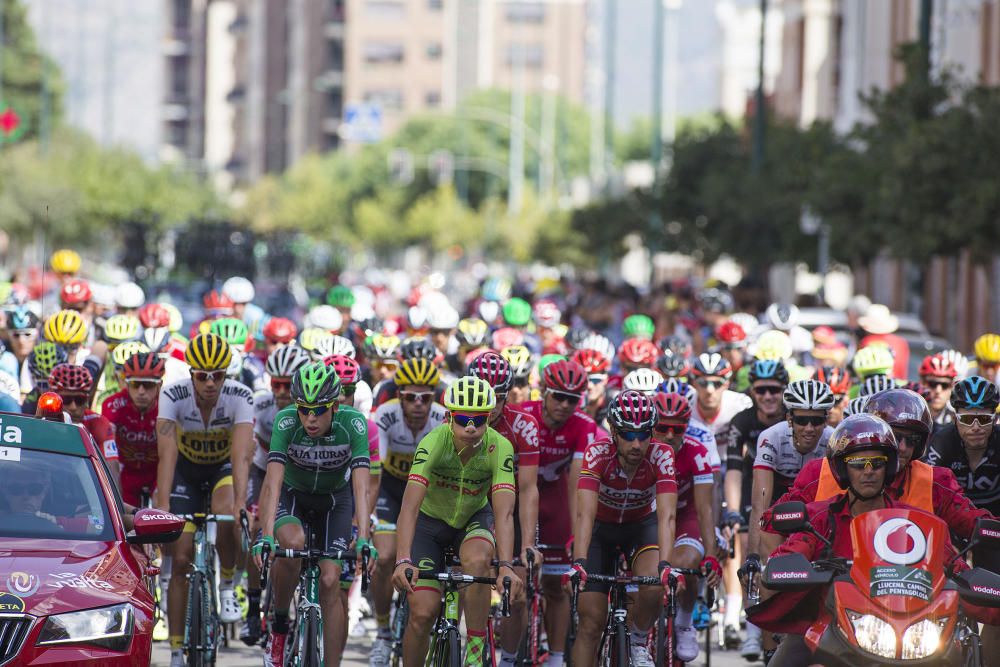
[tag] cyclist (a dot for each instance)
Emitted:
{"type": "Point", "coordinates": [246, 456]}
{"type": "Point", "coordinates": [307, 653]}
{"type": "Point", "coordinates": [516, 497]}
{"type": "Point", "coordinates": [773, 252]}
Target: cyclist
{"type": "Point", "coordinates": [205, 440]}
{"type": "Point", "coordinates": [731, 343]}
{"type": "Point", "coordinates": [241, 292]}
{"type": "Point", "coordinates": [638, 325]}
{"type": "Point", "coordinates": [442, 319]}
{"type": "Point", "coordinates": [565, 433]}
{"type": "Point", "coordinates": [411, 348]}
{"type": "Point", "coordinates": [937, 374]}
{"type": "Point", "coordinates": [869, 361]}
{"type": "Point", "coordinates": [77, 295]}
{"type": "Point", "coordinates": [522, 363]}
{"type": "Point", "coordinates": [66, 263]}
{"type": "Point", "coordinates": [277, 332]}
{"type": "Point", "coordinates": [597, 367]}
{"type": "Point", "coordinates": [381, 352]}
{"type": "Point", "coordinates": [471, 333]}
{"type": "Point", "coordinates": [44, 357]}
{"type": "Point", "coordinates": [318, 462]}
{"type": "Point", "coordinates": [626, 503]}
{"type": "Point", "coordinates": [68, 329]}
{"type": "Point", "coordinates": [342, 298]}
{"type": "Point", "coordinates": [987, 352]}
{"type": "Point", "coordinates": [716, 404]}
{"type": "Point", "coordinates": [22, 334]}
{"type": "Point", "coordinates": [402, 422]}
{"type": "Point", "coordinates": [839, 381]}
{"type": "Point", "coordinates": [74, 385]}
{"type": "Point", "coordinates": [637, 353]}
{"type": "Point", "coordinates": [460, 493]}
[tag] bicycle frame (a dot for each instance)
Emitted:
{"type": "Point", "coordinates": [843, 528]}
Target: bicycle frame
{"type": "Point", "coordinates": [615, 628]}
{"type": "Point", "coordinates": [203, 649]}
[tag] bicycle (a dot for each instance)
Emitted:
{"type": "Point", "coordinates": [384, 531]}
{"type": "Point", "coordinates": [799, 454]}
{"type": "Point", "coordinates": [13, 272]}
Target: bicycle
{"type": "Point", "coordinates": [615, 646]}
{"type": "Point", "coordinates": [531, 651]}
{"type": "Point", "coordinates": [202, 627]}
{"type": "Point", "coordinates": [664, 635]}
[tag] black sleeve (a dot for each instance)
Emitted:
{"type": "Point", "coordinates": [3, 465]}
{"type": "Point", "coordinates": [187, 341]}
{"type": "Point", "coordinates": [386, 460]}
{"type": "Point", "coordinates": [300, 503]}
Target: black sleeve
{"type": "Point", "coordinates": [735, 440]}
{"type": "Point", "coordinates": [942, 442]}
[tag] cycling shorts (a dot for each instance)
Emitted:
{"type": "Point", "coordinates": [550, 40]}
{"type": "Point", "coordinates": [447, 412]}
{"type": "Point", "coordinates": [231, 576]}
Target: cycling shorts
{"type": "Point", "coordinates": [390, 499]}
{"type": "Point", "coordinates": [255, 482]}
{"type": "Point", "coordinates": [132, 483]}
{"type": "Point", "coordinates": [554, 525]}
{"type": "Point", "coordinates": [610, 539]}
{"type": "Point", "coordinates": [329, 514]}
{"type": "Point", "coordinates": [433, 537]}
{"type": "Point", "coordinates": [688, 532]}
{"type": "Point", "coordinates": [194, 485]}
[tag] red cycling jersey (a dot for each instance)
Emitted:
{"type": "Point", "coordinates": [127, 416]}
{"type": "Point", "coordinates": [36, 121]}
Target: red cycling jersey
{"type": "Point", "coordinates": [103, 433]}
{"type": "Point", "coordinates": [135, 432]}
{"type": "Point", "coordinates": [522, 430]}
{"type": "Point", "coordinates": [556, 449]}
{"type": "Point", "coordinates": [693, 467]}
{"type": "Point", "coordinates": [624, 498]}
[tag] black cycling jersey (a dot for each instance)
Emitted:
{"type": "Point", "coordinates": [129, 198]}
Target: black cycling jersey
{"type": "Point", "coordinates": [981, 485]}
{"type": "Point", "coordinates": [741, 450]}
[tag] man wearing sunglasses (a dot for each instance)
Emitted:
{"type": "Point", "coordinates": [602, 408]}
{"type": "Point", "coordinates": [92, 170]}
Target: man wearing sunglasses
{"type": "Point", "coordinates": [75, 386]}
{"type": "Point", "coordinates": [716, 404]}
{"type": "Point", "coordinates": [21, 335]}
{"type": "Point", "coordinates": [937, 374]}
{"type": "Point", "coordinates": [204, 433]}
{"type": "Point", "coordinates": [987, 352]}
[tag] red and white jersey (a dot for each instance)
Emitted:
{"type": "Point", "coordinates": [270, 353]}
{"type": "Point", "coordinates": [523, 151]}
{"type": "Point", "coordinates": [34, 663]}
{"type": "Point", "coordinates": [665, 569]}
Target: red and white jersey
{"type": "Point", "coordinates": [134, 432]}
{"type": "Point", "coordinates": [522, 430]}
{"type": "Point", "coordinates": [103, 432]}
{"type": "Point", "coordinates": [558, 448]}
{"type": "Point", "coordinates": [623, 498]}
{"type": "Point", "coordinates": [693, 466]}
{"type": "Point", "coordinates": [733, 403]}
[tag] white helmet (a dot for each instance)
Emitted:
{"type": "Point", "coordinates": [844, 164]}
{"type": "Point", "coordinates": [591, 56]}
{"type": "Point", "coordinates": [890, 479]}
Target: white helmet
{"type": "Point", "coordinates": [239, 289]}
{"type": "Point", "coordinates": [489, 311]}
{"type": "Point", "coordinates": [333, 345]}
{"type": "Point", "coordinates": [129, 295]}
{"type": "Point", "coordinates": [644, 380]}
{"type": "Point", "coordinates": [285, 360]}
{"type": "Point", "coordinates": [782, 316]}
{"type": "Point", "coordinates": [442, 316]}
{"type": "Point", "coordinates": [104, 295]}
{"type": "Point", "coordinates": [675, 386]}
{"type": "Point", "coordinates": [856, 406]}
{"type": "Point", "coordinates": [325, 317]}
{"type": "Point", "coordinates": [874, 384]}
{"type": "Point", "coordinates": [600, 344]}
{"type": "Point", "coordinates": [808, 395]}
{"type": "Point", "coordinates": [235, 365]}
{"type": "Point", "coordinates": [747, 322]}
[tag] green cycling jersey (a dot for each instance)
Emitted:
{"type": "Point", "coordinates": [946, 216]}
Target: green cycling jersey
{"type": "Point", "coordinates": [323, 464]}
{"type": "Point", "coordinates": [456, 491]}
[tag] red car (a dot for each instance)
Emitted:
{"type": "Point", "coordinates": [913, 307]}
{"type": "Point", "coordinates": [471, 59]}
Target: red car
{"type": "Point", "coordinates": [75, 580]}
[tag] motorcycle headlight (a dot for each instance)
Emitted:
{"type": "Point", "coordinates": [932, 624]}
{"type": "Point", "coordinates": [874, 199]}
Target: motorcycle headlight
{"type": "Point", "coordinates": [110, 627]}
{"type": "Point", "coordinates": [922, 639]}
{"type": "Point", "coordinates": [873, 634]}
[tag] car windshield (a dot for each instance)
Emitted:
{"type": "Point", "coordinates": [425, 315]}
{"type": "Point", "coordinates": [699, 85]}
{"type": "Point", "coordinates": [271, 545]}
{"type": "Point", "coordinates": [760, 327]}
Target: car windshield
{"type": "Point", "coordinates": [49, 495]}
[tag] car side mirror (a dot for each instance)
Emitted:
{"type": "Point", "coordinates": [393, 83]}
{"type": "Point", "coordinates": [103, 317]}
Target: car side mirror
{"type": "Point", "coordinates": [790, 517]}
{"type": "Point", "coordinates": [979, 587]}
{"type": "Point", "coordinates": [793, 572]}
{"type": "Point", "coordinates": [155, 527]}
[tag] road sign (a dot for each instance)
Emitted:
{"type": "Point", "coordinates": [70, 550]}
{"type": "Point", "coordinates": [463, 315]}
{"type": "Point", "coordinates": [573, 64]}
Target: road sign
{"type": "Point", "coordinates": [362, 123]}
{"type": "Point", "coordinates": [11, 125]}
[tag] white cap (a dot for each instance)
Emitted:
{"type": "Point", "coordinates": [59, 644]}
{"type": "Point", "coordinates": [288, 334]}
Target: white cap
{"type": "Point", "coordinates": [239, 289]}
{"type": "Point", "coordinates": [129, 295]}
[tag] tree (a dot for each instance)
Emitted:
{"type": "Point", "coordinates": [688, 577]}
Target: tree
{"type": "Point", "coordinates": [30, 81]}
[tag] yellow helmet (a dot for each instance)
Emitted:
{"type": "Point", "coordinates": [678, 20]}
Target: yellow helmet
{"type": "Point", "coordinates": [311, 338]}
{"type": "Point", "coordinates": [208, 352]}
{"type": "Point", "coordinates": [121, 328]}
{"type": "Point", "coordinates": [773, 345]}
{"type": "Point", "coordinates": [987, 348]}
{"type": "Point", "coordinates": [65, 261]}
{"type": "Point", "coordinates": [470, 394]}
{"type": "Point", "coordinates": [67, 327]}
{"type": "Point", "coordinates": [520, 359]}
{"type": "Point", "coordinates": [122, 352]}
{"type": "Point", "coordinates": [417, 371]}
{"type": "Point", "coordinates": [873, 360]}
{"type": "Point", "coordinates": [176, 319]}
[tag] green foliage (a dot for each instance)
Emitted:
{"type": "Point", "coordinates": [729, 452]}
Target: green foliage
{"type": "Point", "coordinates": [22, 71]}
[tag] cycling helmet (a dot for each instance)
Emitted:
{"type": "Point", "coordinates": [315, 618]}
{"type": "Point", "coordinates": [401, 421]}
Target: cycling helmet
{"type": "Point", "coordinates": [547, 359]}
{"type": "Point", "coordinates": [904, 409]}
{"type": "Point", "coordinates": [592, 361]}
{"type": "Point", "coordinates": [208, 352]}
{"type": "Point", "coordinates": [673, 366]}
{"type": "Point", "coordinates": [873, 360]}
{"type": "Point", "coordinates": [417, 348]}
{"type": "Point", "coordinates": [856, 406]}
{"type": "Point", "coordinates": [782, 316]}
{"type": "Point", "coordinates": [472, 332]}
{"type": "Point", "coordinates": [347, 369]}
{"type": "Point", "coordinates": [495, 289]}
{"type": "Point", "coordinates": [517, 312]}
{"type": "Point", "coordinates": [122, 352]}
{"type": "Point", "coordinates": [638, 352]}
{"type": "Point", "coordinates": [44, 357]}
{"type": "Point", "coordinates": [672, 406]}
{"type": "Point", "coordinates": [285, 361]}
{"type": "Point", "coordinates": [381, 346]}
{"type": "Point", "coordinates": [325, 317]}
{"type": "Point", "coordinates": [808, 395]}
{"type": "Point", "coordinates": [768, 369]}
{"type": "Point", "coordinates": [632, 411]}
{"type": "Point", "coordinates": [937, 365]}
{"type": "Point", "coordinates": [488, 311]}
{"type": "Point", "coordinates": [638, 326]}
{"type": "Point", "coordinates": [21, 318]}
{"type": "Point", "coordinates": [987, 348]}
{"type": "Point", "coordinates": [714, 300]}
{"type": "Point", "coordinates": [957, 359]}
{"type": "Point", "coordinates": [315, 384]}
{"type": "Point", "coordinates": [279, 330]}
{"type": "Point", "coordinates": [492, 367]}
{"type": "Point", "coordinates": [156, 338]}
{"type": "Point", "coordinates": [129, 296]}
{"type": "Point", "coordinates": [75, 292]}
{"type": "Point", "coordinates": [417, 372]}
{"type": "Point", "coordinates": [575, 336]}
{"type": "Point", "coordinates": [71, 378]}
{"type": "Point", "coordinates": [874, 384]}
{"type": "Point", "coordinates": [239, 289]}
{"type": "Point", "coordinates": [334, 345]}
{"type": "Point", "coordinates": [675, 345]}
{"type": "Point", "coordinates": [731, 334]}
{"type": "Point", "coordinates": [520, 359]}
{"type": "Point", "coordinates": [416, 318]}
{"type": "Point", "coordinates": [470, 394]}
{"type": "Point", "coordinates": [442, 317]}
{"type": "Point", "coordinates": [154, 315]}
{"type": "Point", "coordinates": [217, 305]}
{"type": "Point", "coordinates": [340, 296]}
{"type": "Point", "coordinates": [233, 330]}
{"type": "Point", "coordinates": [974, 393]}
{"type": "Point", "coordinates": [65, 261]}
{"type": "Point", "coordinates": [507, 337]}
{"type": "Point", "coordinates": [645, 380]}
{"type": "Point", "coordinates": [747, 322]}
{"type": "Point", "coordinates": [310, 337]}
{"type": "Point", "coordinates": [176, 319]}
{"type": "Point", "coordinates": [546, 313]}
{"type": "Point", "coordinates": [121, 328]}
{"type": "Point", "coordinates": [858, 433]}
{"type": "Point", "coordinates": [144, 365]}
{"type": "Point", "coordinates": [836, 377]}
{"type": "Point", "coordinates": [711, 364]}
{"type": "Point", "coordinates": [67, 327]}
{"type": "Point", "coordinates": [774, 345]}
{"type": "Point", "coordinates": [677, 386]}
{"type": "Point", "coordinates": [600, 343]}
{"type": "Point", "coordinates": [565, 375]}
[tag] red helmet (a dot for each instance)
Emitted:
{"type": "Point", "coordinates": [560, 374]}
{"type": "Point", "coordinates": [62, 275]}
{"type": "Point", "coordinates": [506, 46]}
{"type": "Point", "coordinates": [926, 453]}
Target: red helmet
{"type": "Point", "coordinates": [938, 366]}
{"type": "Point", "coordinates": [495, 369]}
{"type": "Point", "coordinates": [280, 330]}
{"type": "Point", "coordinates": [920, 389]}
{"type": "Point", "coordinates": [836, 377]}
{"type": "Point", "coordinates": [632, 411]}
{"type": "Point", "coordinates": [639, 352]}
{"type": "Point", "coordinates": [144, 365]}
{"type": "Point", "coordinates": [507, 337]}
{"type": "Point", "coordinates": [859, 433]}
{"type": "Point", "coordinates": [71, 378]}
{"type": "Point", "coordinates": [217, 303]}
{"type": "Point", "coordinates": [564, 375]}
{"type": "Point", "coordinates": [904, 409]}
{"type": "Point", "coordinates": [348, 370]}
{"type": "Point", "coordinates": [154, 316]}
{"type": "Point", "coordinates": [75, 292]}
{"type": "Point", "coordinates": [672, 407]}
{"type": "Point", "coordinates": [592, 361]}
{"type": "Point", "coordinates": [730, 332]}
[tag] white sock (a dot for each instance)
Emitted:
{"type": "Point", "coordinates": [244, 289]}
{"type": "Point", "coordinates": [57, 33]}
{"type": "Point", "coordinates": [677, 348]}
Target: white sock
{"type": "Point", "coordinates": [753, 631]}
{"type": "Point", "coordinates": [683, 618]}
{"type": "Point", "coordinates": [507, 658]}
{"type": "Point", "coordinates": [734, 603]}
{"type": "Point", "coordinates": [554, 660]}
{"type": "Point", "coordinates": [237, 578]}
{"type": "Point", "coordinates": [639, 637]}
{"type": "Point", "coordinates": [165, 568]}
{"type": "Point", "coordinates": [225, 584]}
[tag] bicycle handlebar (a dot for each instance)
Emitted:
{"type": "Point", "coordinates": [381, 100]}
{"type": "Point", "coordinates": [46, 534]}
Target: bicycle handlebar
{"type": "Point", "coordinates": [342, 554]}
{"type": "Point", "coordinates": [199, 517]}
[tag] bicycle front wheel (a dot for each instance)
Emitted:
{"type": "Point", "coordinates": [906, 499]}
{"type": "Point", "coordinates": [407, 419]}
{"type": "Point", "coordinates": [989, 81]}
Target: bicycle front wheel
{"type": "Point", "coordinates": [660, 637]}
{"type": "Point", "coordinates": [621, 646]}
{"type": "Point", "coordinates": [200, 652]}
{"type": "Point", "coordinates": [449, 649]}
{"type": "Point", "coordinates": [310, 652]}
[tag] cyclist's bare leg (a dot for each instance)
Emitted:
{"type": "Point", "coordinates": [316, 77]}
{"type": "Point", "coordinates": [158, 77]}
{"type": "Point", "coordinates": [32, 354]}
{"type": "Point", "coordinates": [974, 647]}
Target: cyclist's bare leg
{"type": "Point", "coordinates": [688, 557]}
{"type": "Point", "coordinates": [331, 599]}
{"type": "Point", "coordinates": [285, 572]}
{"type": "Point", "coordinates": [227, 537]}
{"type": "Point", "coordinates": [476, 555]}
{"type": "Point", "coordinates": [592, 609]}
{"type": "Point", "coordinates": [341, 630]}
{"type": "Point", "coordinates": [557, 612]}
{"type": "Point", "coordinates": [424, 605]}
{"type": "Point", "coordinates": [649, 599]}
{"type": "Point", "coordinates": [182, 551]}
{"type": "Point", "coordinates": [512, 627]}
{"type": "Point", "coordinates": [381, 586]}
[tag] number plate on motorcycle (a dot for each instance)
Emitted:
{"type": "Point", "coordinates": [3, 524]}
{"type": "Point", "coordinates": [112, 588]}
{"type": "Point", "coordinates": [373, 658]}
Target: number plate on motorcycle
{"type": "Point", "coordinates": [901, 580]}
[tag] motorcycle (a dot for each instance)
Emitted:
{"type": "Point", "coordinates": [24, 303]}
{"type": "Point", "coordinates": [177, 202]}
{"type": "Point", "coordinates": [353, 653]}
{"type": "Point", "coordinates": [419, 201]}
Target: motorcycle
{"type": "Point", "coordinates": [897, 601]}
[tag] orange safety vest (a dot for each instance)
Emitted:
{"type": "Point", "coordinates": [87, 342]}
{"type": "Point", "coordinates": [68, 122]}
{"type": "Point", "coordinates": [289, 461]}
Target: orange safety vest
{"type": "Point", "coordinates": [917, 489]}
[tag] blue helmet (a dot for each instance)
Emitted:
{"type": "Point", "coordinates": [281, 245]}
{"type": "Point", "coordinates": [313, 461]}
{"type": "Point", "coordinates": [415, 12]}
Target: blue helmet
{"type": "Point", "coordinates": [20, 318]}
{"type": "Point", "coordinates": [768, 369]}
{"type": "Point", "coordinates": [975, 392]}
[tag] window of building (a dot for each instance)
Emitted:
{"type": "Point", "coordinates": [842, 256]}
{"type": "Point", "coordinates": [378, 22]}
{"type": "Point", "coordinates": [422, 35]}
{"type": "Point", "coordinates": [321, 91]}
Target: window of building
{"type": "Point", "coordinates": [433, 98]}
{"type": "Point", "coordinates": [525, 12]}
{"type": "Point", "coordinates": [388, 98]}
{"type": "Point", "coordinates": [434, 50]}
{"type": "Point", "coordinates": [435, 4]}
{"type": "Point", "coordinates": [382, 53]}
{"type": "Point", "coordinates": [386, 9]}
{"type": "Point", "coordinates": [531, 54]}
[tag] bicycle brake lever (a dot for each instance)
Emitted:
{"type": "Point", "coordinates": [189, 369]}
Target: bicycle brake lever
{"type": "Point", "coordinates": [505, 598]}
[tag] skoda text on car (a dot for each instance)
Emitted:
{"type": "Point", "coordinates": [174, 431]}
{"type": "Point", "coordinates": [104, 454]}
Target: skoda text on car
{"type": "Point", "coordinates": [74, 585]}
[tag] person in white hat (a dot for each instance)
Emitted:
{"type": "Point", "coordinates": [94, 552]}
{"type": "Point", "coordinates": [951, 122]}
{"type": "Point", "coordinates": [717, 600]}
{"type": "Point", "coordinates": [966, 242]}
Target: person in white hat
{"type": "Point", "coordinates": [880, 325]}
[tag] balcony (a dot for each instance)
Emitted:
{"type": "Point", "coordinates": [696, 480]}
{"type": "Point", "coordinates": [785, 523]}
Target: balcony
{"type": "Point", "coordinates": [175, 108]}
{"type": "Point", "coordinates": [334, 30]}
{"type": "Point", "coordinates": [329, 80]}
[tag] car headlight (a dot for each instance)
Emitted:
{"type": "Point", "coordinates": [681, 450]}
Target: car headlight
{"type": "Point", "coordinates": [110, 627]}
{"type": "Point", "coordinates": [873, 634]}
{"type": "Point", "coordinates": [922, 639]}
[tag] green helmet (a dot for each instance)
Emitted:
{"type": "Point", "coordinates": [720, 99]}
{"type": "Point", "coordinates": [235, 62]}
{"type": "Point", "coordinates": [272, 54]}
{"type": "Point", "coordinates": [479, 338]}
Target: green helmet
{"type": "Point", "coordinates": [234, 331]}
{"type": "Point", "coordinates": [340, 296]}
{"type": "Point", "coordinates": [638, 326]}
{"type": "Point", "coordinates": [470, 394]}
{"type": "Point", "coordinates": [44, 357]}
{"type": "Point", "coordinates": [315, 384]}
{"type": "Point", "coordinates": [517, 312]}
{"type": "Point", "coordinates": [548, 359]}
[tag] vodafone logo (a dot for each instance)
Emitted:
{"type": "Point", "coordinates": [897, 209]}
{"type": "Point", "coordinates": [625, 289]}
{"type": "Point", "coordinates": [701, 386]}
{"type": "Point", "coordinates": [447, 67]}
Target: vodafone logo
{"type": "Point", "coordinates": [900, 542]}
{"type": "Point", "coordinates": [790, 575]}
{"type": "Point", "coordinates": [988, 590]}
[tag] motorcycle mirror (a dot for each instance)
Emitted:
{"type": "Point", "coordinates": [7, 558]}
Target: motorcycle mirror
{"type": "Point", "coordinates": [794, 572]}
{"type": "Point", "coordinates": [790, 517]}
{"type": "Point", "coordinates": [980, 587]}
{"type": "Point", "coordinates": [987, 533]}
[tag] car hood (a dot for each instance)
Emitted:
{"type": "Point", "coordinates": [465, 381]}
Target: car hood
{"type": "Point", "coordinates": [55, 576]}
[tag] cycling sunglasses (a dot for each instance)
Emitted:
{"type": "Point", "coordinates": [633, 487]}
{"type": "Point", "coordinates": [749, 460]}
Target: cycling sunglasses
{"type": "Point", "coordinates": [804, 420]}
{"type": "Point", "coordinates": [21, 489]}
{"type": "Point", "coordinates": [148, 383]}
{"type": "Point", "coordinates": [477, 420]}
{"type": "Point", "coordinates": [314, 410]}
{"type": "Point", "coordinates": [971, 419]}
{"type": "Point", "coordinates": [937, 384]}
{"type": "Point", "coordinates": [867, 462]}
{"type": "Point", "coordinates": [597, 378]}
{"type": "Point", "coordinates": [281, 385]}
{"type": "Point", "coordinates": [24, 333]}
{"type": "Point", "coordinates": [417, 396]}
{"type": "Point", "coordinates": [205, 376]}
{"type": "Point", "coordinates": [670, 427]}
{"type": "Point", "coordinates": [632, 436]}
{"type": "Point", "coordinates": [521, 382]}
{"type": "Point", "coordinates": [564, 397]}
{"type": "Point", "coordinates": [705, 383]}
{"type": "Point", "coordinates": [768, 389]}
{"type": "Point", "coordinates": [74, 399]}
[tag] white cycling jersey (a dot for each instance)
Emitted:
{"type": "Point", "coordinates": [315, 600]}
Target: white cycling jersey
{"type": "Point", "coordinates": [197, 441]}
{"type": "Point", "coordinates": [264, 410]}
{"type": "Point", "coordinates": [396, 442]}
{"type": "Point", "coordinates": [733, 403]}
{"type": "Point", "coordinates": [776, 452]}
